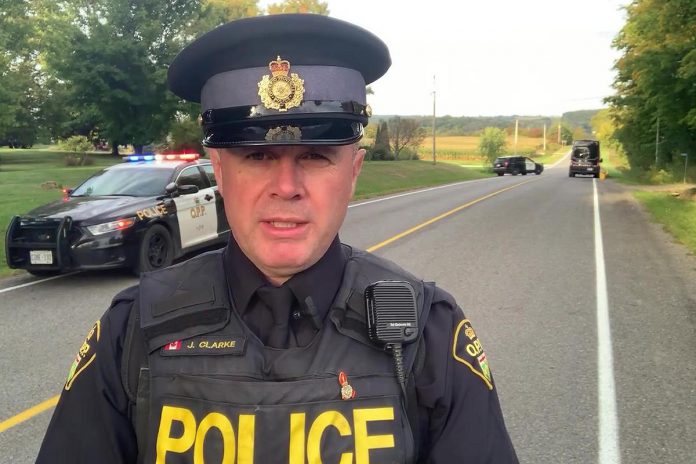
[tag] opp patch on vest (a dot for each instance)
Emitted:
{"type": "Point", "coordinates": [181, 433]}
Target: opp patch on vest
{"type": "Point", "coordinates": [468, 350]}
{"type": "Point", "coordinates": [206, 345]}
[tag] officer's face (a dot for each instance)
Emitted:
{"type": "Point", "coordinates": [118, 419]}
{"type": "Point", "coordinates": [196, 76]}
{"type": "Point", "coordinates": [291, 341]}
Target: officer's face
{"type": "Point", "coordinates": [285, 204]}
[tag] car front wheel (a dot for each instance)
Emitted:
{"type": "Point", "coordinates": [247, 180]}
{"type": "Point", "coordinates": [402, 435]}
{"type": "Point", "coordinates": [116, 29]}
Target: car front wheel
{"type": "Point", "coordinates": [156, 250]}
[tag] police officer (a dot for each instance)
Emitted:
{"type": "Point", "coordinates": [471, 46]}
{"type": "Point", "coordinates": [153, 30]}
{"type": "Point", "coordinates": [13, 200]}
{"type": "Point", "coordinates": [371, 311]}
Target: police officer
{"type": "Point", "coordinates": [262, 352]}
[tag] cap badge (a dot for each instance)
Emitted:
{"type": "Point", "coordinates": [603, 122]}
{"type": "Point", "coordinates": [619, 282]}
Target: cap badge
{"type": "Point", "coordinates": [281, 90]}
{"type": "Point", "coordinates": [284, 134]}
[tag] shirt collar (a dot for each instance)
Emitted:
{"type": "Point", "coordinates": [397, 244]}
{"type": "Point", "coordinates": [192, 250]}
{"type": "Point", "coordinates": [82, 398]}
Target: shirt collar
{"type": "Point", "coordinates": [315, 286]}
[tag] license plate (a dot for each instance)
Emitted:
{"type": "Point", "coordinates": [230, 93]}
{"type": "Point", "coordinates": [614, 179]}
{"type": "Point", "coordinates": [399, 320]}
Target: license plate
{"type": "Point", "coordinates": [590, 169]}
{"type": "Point", "coordinates": [40, 257]}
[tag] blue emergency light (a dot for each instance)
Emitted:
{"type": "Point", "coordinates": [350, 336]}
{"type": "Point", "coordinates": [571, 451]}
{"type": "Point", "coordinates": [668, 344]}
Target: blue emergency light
{"type": "Point", "coordinates": [167, 157]}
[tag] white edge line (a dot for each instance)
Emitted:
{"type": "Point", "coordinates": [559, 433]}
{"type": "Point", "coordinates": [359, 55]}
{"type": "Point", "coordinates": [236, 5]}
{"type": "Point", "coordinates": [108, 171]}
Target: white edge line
{"type": "Point", "coordinates": [414, 192]}
{"type": "Point", "coordinates": [34, 282]}
{"type": "Point", "coordinates": [609, 452]}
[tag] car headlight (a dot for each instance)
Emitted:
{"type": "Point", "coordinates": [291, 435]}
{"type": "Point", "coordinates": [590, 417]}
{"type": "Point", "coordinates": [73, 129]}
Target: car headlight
{"type": "Point", "coordinates": [119, 224]}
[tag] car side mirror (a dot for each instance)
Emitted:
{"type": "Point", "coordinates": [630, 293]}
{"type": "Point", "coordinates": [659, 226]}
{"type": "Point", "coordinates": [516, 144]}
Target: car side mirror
{"type": "Point", "coordinates": [172, 190]}
{"type": "Point", "coordinates": [187, 189]}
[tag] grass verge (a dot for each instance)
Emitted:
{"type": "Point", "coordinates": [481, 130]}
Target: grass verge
{"type": "Point", "coordinates": [677, 216]}
{"type": "Point", "coordinates": [654, 190]}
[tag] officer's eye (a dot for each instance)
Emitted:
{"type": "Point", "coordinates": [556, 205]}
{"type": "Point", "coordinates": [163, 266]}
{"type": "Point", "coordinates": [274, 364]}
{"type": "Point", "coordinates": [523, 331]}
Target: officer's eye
{"type": "Point", "coordinates": [314, 156]}
{"type": "Point", "coordinates": [315, 159]}
{"type": "Point", "coordinates": [257, 156]}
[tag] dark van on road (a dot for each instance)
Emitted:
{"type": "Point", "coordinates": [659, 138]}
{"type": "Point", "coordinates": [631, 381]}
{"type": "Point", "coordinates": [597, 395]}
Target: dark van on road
{"type": "Point", "coordinates": [584, 158]}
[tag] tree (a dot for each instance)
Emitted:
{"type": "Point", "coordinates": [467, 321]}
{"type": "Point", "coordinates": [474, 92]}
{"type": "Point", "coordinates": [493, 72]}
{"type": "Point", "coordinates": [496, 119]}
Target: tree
{"type": "Point", "coordinates": [19, 81]}
{"type": "Point", "coordinates": [185, 134]}
{"type": "Point", "coordinates": [217, 12]}
{"type": "Point", "coordinates": [381, 149]}
{"type": "Point", "coordinates": [656, 81]}
{"type": "Point", "coordinates": [405, 134]}
{"type": "Point", "coordinates": [566, 135]}
{"type": "Point", "coordinates": [299, 6]}
{"type": "Point", "coordinates": [113, 56]}
{"type": "Point", "coordinates": [579, 134]}
{"type": "Point", "coordinates": [492, 143]}
{"type": "Point", "coordinates": [603, 127]}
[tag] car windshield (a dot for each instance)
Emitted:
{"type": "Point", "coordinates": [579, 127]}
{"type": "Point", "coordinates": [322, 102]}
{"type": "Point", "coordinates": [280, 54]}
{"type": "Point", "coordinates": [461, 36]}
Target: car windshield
{"type": "Point", "coordinates": [141, 182]}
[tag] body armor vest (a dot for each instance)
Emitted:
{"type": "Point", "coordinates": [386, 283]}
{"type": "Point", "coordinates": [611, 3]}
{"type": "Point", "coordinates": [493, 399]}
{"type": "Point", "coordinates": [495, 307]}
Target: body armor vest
{"type": "Point", "coordinates": [215, 394]}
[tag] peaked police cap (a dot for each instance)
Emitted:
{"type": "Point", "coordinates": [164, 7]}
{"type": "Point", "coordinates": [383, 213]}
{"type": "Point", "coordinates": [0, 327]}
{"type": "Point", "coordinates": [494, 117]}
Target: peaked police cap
{"type": "Point", "coordinates": [287, 79]}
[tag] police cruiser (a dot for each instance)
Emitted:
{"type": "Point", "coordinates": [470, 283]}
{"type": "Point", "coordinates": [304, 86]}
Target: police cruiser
{"type": "Point", "coordinates": [143, 214]}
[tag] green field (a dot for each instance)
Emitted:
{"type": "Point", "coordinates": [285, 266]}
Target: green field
{"type": "Point", "coordinates": [465, 147]}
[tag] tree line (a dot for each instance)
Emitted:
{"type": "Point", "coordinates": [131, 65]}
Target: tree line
{"type": "Point", "coordinates": [575, 123]}
{"type": "Point", "coordinates": [99, 68]}
{"type": "Point", "coordinates": [652, 116]}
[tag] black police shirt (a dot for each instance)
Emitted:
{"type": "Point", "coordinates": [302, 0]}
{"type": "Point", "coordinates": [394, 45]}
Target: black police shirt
{"type": "Point", "coordinates": [311, 301]}
{"type": "Point", "coordinates": [460, 415]}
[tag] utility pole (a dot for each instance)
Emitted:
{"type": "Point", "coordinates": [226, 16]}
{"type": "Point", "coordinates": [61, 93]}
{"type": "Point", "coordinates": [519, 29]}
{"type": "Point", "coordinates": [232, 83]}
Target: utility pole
{"type": "Point", "coordinates": [434, 160]}
{"type": "Point", "coordinates": [544, 138]}
{"type": "Point", "coordinates": [559, 133]}
{"type": "Point", "coordinates": [657, 141]}
{"type": "Point", "coordinates": [517, 122]}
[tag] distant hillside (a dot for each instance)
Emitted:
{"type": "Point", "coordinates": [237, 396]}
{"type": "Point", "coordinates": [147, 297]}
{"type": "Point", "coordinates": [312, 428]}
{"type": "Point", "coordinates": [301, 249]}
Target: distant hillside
{"type": "Point", "coordinates": [580, 118]}
{"type": "Point", "coordinates": [471, 125]}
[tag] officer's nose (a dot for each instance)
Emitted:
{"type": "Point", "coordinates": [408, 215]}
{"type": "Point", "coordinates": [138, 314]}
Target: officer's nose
{"type": "Point", "coordinates": [287, 178]}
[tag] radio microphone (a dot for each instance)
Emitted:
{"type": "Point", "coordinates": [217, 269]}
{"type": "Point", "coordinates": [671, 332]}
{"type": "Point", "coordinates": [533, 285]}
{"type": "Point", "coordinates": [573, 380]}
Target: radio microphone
{"type": "Point", "coordinates": [392, 319]}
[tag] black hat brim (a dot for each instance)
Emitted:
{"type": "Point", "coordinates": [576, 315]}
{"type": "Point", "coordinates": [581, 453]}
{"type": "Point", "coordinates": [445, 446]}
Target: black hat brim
{"type": "Point", "coordinates": [305, 131]}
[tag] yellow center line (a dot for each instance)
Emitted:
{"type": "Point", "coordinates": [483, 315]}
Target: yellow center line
{"type": "Point", "coordinates": [29, 413]}
{"type": "Point", "coordinates": [51, 402]}
{"type": "Point", "coordinates": [442, 216]}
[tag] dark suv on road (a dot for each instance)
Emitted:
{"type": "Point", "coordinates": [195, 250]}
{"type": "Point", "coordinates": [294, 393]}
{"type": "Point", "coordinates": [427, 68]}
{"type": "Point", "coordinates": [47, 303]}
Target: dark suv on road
{"type": "Point", "coordinates": [516, 165]}
{"type": "Point", "coordinates": [584, 158]}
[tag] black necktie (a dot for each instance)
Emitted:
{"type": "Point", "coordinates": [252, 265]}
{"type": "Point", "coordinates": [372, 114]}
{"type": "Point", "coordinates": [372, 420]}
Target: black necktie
{"type": "Point", "coordinates": [279, 300]}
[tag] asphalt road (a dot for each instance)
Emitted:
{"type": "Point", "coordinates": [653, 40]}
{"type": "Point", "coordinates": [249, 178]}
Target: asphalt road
{"type": "Point", "coordinates": [519, 254]}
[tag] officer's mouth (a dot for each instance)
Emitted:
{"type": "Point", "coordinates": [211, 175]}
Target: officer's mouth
{"type": "Point", "coordinates": [283, 225]}
{"type": "Point", "coordinates": [284, 228]}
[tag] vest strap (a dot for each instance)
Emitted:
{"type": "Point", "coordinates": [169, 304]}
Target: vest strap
{"type": "Point", "coordinates": [184, 300]}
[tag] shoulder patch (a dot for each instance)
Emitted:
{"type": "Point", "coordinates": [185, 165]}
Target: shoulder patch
{"type": "Point", "coordinates": [467, 349]}
{"type": "Point", "coordinates": [85, 355]}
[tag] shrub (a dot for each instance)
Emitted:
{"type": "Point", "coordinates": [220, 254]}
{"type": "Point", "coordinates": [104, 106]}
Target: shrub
{"type": "Point", "coordinates": [77, 145]}
{"type": "Point", "coordinates": [659, 176]}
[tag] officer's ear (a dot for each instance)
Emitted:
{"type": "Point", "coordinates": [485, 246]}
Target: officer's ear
{"type": "Point", "coordinates": [358, 158]}
{"type": "Point", "coordinates": [214, 155]}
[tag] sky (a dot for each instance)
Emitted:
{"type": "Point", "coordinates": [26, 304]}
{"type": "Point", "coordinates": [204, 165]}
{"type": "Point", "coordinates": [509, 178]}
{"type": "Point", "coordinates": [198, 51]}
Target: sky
{"type": "Point", "coordinates": [490, 57]}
